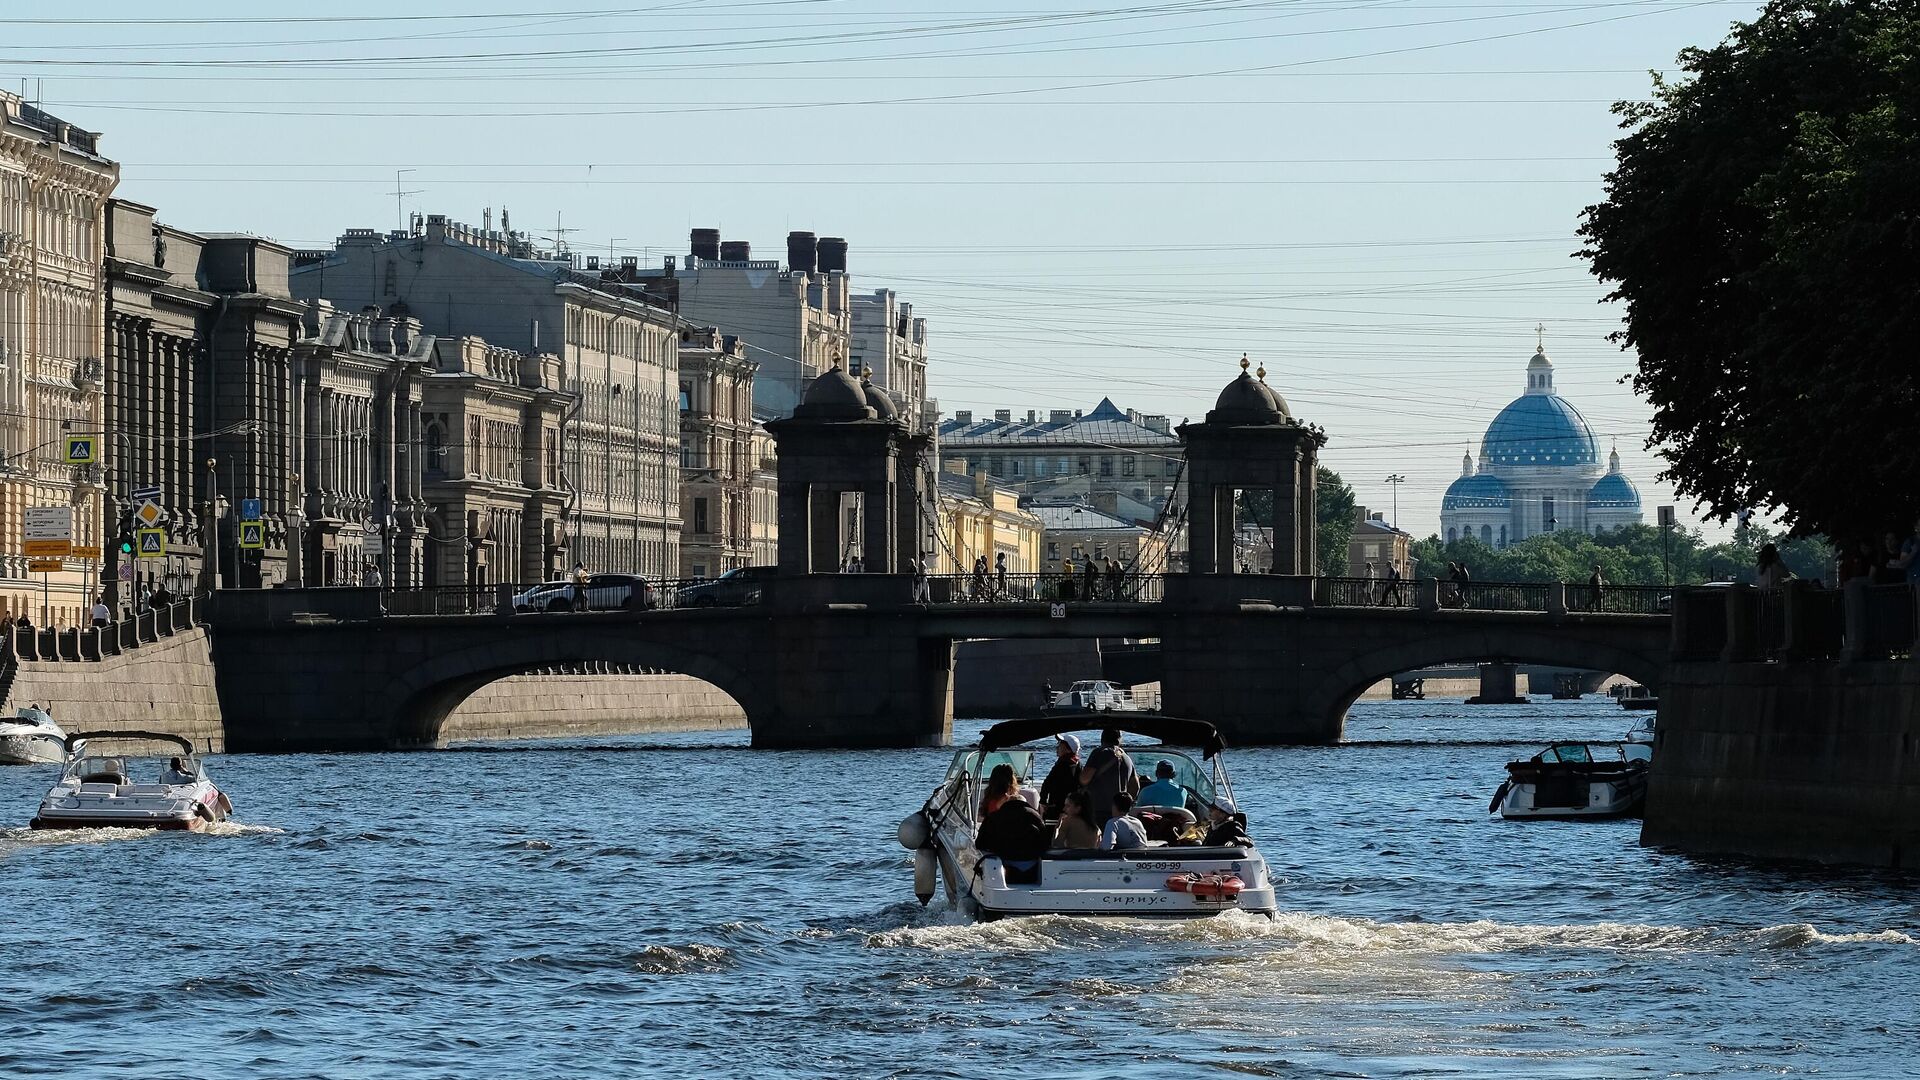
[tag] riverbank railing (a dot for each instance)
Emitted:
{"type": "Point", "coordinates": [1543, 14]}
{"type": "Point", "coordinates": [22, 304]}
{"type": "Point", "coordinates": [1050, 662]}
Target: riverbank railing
{"type": "Point", "coordinates": [81, 644]}
{"type": "Point", "coordinates": [1796, 621]}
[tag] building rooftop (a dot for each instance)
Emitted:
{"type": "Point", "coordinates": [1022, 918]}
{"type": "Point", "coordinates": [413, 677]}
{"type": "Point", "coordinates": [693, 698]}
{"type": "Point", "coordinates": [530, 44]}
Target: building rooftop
{"type": "Point", "coordinates": [1106, 425]}
{"type": "Point", "coordinates": [1066, 518]}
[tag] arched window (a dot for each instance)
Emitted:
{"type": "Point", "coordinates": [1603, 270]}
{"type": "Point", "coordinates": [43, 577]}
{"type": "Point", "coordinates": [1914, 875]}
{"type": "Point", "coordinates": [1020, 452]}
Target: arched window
{"type": "Point", "coordinates": [1452, 535]}
{"type": "Point", "coordinates": [1486, 534]}
{"type": "Point", "coordinates": [1503, 536]}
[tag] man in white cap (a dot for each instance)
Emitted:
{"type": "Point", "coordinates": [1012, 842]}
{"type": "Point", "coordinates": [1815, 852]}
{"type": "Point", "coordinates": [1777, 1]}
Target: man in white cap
{"type": "Point", "coordinates": [1064, 779]}
{"type": "Point", "coordinates": [1227, 826]}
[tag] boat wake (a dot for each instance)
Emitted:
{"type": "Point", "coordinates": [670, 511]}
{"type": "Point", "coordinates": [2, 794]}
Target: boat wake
{"type": "Point", "coordinates": [19, 839]}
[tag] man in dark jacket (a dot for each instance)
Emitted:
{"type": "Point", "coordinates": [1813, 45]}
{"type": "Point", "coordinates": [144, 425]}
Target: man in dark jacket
{"type": "Point", "coordinates": [1227, 826]}
{"type": "Point", "coordinates": [1015, 832]}
{"type": "Point", "coordinates": [1108, 770]}
{"type": "Point", "coordinates": [1064, 779]}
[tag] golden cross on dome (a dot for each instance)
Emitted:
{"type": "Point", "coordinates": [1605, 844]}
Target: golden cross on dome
{"type": "Point", "coordinates": [1540, 337]}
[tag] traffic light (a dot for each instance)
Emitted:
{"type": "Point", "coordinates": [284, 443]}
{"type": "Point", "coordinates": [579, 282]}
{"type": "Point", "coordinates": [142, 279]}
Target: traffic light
{"type": "Point", "coordinates": [126, 545]}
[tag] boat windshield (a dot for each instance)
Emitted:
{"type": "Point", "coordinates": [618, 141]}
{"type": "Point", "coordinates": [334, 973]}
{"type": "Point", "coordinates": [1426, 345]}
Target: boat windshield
{"type": "Point", "coordinates": [1186, 772]}
{"type": "Point", "coordinates": [1588, 753]}
{"type": "Point", "coordinates": [973, 763]}
{"type": "Point", "coordinates": [102, 769]}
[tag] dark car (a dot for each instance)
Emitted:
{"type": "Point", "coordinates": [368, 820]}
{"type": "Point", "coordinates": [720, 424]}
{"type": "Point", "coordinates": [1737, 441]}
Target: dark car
{"type": "Point", "coordinates": [731, 589]}
{"type": "Point", "coordinates": [604, 592]}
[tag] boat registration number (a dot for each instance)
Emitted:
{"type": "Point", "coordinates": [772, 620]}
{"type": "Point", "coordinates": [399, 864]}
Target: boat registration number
{"type": "Point", "coordinates": [1157, 865]}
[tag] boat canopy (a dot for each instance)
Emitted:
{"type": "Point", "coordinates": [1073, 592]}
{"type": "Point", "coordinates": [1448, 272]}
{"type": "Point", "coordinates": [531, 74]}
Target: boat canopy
{"type": "Point", "coordinates": [1168, 729]}
{"type": "Point", "coordinates": [79, 737]}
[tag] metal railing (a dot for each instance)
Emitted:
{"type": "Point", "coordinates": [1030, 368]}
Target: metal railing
{"type": "Point", "coordinates": [1886, 622]}
{"type": "Point", "coordinates": [1796, 622]}
{"type": "Point", "coordinates": [1622, 599]}
{"type": "Point", "coordinates": [1045, 588]}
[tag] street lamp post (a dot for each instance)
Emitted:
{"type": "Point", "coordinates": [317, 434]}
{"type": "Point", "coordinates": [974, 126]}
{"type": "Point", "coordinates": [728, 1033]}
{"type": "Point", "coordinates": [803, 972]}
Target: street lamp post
{"type": "Point", "coordinates": [1396, 480]}
{"type": "Point", "coordinates": [1666, 531]}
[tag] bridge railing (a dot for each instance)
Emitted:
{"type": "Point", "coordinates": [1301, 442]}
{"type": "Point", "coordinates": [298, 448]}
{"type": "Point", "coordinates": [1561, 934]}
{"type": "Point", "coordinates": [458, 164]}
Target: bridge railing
{"type": "Point", "coordinates": [1797, 621]}
{"type": "Point", "coordinates": [1622, 599]}
{"type": "Point", "coordinates": [1502, 595]}
{"type": "Point", "coordinates": [1044, 588]}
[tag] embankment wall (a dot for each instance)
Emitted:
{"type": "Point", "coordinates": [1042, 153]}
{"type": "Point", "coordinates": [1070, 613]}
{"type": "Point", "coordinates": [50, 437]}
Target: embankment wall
{"type": "Point", "coordinates": [1816, 760]}
{"type": "Point", "coordinates": [1001, 679]}
{"type": "Point", "coordinates": [165, 686]}
{"type": "Point", "coordinates": [563, 705]}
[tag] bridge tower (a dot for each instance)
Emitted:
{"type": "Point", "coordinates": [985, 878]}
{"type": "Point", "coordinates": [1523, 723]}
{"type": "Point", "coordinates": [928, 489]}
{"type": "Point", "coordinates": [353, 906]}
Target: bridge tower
{"type": "Point", "coordinates": [849, 481]}
{"type": "Point", "coordinates": [1249, 443]}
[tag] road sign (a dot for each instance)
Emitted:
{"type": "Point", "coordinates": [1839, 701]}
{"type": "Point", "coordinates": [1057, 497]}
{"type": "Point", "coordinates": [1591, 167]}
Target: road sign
{"type": "Point", "coordinates": [149, 514]}
{"type": "Point", "coordinates": [144, 494]}
{"type": "Point", "coordinates": [126, 571]}
{"type": "Point", "coordinates": [85, 551]}
{"type": "Point", "coordinates": [152, 543]}
{"type": "Point", "coordinates": [80, 450]}
{"type": "Point", "coordinates": [45, 566]}
{"type": "Point", "coordinates": [252, 535]}
{"type": "Point", "coordinates": [1666, 517]}
{"type": "Point", "coordinates": [48, 531]}
{"type": "Point", "coordinates": [250, 510]}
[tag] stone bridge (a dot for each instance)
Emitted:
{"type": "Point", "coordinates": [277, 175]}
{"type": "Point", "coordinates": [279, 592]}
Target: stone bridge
{"type": "Point", "coordinates": [849, 660]}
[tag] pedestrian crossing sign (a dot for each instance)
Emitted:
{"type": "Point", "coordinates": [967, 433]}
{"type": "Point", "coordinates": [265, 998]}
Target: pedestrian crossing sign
{"type": "Point", "coordinates": [80, 450]}
{"type": "Point", "coordinates": [252, 535]}
{"type": "Point", "coordinates": [153, 543]}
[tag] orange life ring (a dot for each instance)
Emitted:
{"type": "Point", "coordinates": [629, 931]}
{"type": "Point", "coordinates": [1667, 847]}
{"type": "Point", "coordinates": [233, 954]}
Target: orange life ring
{"type": "Point", "coordinates": [1180, 882]}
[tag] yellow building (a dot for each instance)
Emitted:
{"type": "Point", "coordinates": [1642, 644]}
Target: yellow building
{"type": "Point", "coordinates": [979, 518]}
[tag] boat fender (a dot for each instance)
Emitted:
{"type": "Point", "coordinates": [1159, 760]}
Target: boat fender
{"type": "Point", "coordinates": [925, 866]}
{"type": "Point", "coordinates": [205, 811]}
{"type": "Point", "coordinates": [914, 832]}
{"type": "Point", "coordinates": [1498, 795]}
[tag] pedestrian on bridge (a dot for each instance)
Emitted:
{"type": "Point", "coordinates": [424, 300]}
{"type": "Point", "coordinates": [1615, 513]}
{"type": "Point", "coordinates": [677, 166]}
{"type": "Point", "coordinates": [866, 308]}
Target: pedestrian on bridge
{"type": "Point", "coordinates": [1092, 577]}
{"type": "Point", "coordinates": [1372, 577]}
{"type": "Point", "coordinates": [1393, 585]}
{"type": "Point", "coordinates": [1000, 576]}
{"type": "Point", "coordinates": [581, 601]}
{"type": "Point", "coordinates": [922, 589]}
{"type": "Point", "coordinates": [1595, 586]}
{"type": "Point", "coordinates": [1116, 579]}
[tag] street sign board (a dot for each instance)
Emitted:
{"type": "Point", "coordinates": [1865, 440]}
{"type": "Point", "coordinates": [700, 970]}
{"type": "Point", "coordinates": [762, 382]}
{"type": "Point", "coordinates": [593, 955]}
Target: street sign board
{"type": "Point", "coordinates": [45, 566]}
{"type": "Point", "coordinates": [144, 494]}
{"type": "Point", "coordinates": [250, 510]}
{"type": "Point", "coordinates": [1666, 517]}
{"type": "Point", "coordinates": [152, 543]}
{"type": "Point", "coordinates": [126, 571]}
{"type": "Point", "coordinates": [149, 513]}
{"type": "Point", "coordinates": [85, 551]}
{"type": "Point", "coordinates": [252, 535]}
{"type": "Point", "coordinates": [47, 532]}
{"type": "Point", "coordinates": [81, 449]}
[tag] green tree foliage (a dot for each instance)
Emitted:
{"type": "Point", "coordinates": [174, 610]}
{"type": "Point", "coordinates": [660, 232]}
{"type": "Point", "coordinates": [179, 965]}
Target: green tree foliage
{"type": "Point", "coordinates": [1333, 506]}
{"type": "Point", "coordinates": [1762, 227]}
{"type": "Point", "coordinates": [1630, 555]}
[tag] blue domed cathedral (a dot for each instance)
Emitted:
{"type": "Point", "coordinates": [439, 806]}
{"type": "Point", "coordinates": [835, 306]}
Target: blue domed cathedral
{"type": "Point", "coordinates": [1539, 472]}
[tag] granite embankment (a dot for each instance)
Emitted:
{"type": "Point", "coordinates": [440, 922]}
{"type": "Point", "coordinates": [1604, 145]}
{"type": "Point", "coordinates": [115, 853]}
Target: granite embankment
{"type": "Point", "coordinates": [556, 705]}
{"type": "Point", "coordinates": [164, 686]}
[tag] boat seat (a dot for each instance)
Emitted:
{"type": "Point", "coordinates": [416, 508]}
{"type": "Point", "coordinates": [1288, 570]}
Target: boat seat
{"type": "Point", "coordinates": [89, 787]}
{"type": "Point", "coordinates": [115, 779]}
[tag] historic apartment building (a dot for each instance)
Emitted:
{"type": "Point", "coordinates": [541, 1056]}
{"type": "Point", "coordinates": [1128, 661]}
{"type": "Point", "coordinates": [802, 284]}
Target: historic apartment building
{"type": "Point", "coordinates": [1123, 463]}
{"type": "Point", "coordinates": [717, 461]}
{"type": "Point", "coordinates": [796, 322]}
{"type": "Point", "coordinates": [435, 460]}
{"type": "Point", "coordinates": [199, 375]}
{"type": "Point", "coordinates": [980, 519]}
{"type": "Point", "coordinates": [54, 186]}
{"type": "Point", "coordinates": [1075, 533]}
{"type": "Point", "coordinates": [617, 339]}
{"type": "Point", "coordinates": [890, 344]}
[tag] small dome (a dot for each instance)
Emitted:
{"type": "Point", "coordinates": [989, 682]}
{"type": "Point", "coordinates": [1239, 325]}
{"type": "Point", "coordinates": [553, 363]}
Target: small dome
{"type": "Point", "coordinates": [1247, 400]}
{"type": "Point", "coordinates": [1614, 491]}
{"type": "Point", "coordinates": [1481, 491]}
{"type": "Point", "coordinates": [834, 396]}
{"type": "Point", "coordinates": [878, 401]}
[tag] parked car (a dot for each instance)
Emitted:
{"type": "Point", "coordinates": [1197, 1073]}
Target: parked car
{"type": "Point", "coordinates": [731, 589]}
{"type": "Point", "coordinates": [604, 592]}
{"type": "Point", "coordinates": [1665, 604]}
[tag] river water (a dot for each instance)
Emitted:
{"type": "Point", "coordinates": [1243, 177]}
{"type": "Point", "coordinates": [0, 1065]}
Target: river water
{"type": "Point", "coordinates": [680, 905]}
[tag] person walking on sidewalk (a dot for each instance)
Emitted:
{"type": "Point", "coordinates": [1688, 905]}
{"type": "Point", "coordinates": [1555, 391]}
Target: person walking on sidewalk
{"type": "Point", "coordinates": [581, 601]}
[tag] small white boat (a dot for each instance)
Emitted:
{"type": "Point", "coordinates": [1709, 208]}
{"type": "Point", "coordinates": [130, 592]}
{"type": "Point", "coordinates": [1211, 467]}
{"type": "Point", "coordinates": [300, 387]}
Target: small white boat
{"type": "Point", "coordinates": [1092, 696]}
{"type": "Point", "coordinates": [1576, 780]}
{"type": "Point", "coordinates": [98, 790]}
{"type": "Point", "coordinates": [31, 738]}
{"type": "Point", "coordinates": [1165, 879]}
{"type": "Point", "coordinates": [1642, 732]}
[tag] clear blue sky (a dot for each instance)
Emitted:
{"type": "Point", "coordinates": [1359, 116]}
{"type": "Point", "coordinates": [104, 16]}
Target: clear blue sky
{"type": "Point", "coordinates": [1374, 199]}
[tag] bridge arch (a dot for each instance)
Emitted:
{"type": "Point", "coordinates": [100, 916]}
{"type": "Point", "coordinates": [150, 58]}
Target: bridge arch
{"type": "Point", "coordinates": [424, 695]}
{"type": "Point", "coordinates": [1558, 645]}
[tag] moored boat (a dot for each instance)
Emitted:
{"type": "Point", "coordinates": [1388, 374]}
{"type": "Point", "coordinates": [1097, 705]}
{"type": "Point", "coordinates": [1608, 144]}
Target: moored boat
{"type": "Point", "coordinates": [1576, 780]}
{"type": "Point", "coordinates": [100, 791]}
{"type": "Point", "coordinates": [31, 738]}
{"type": "Point", "coordinates": [1089, 697]}
{"type": "Point", "coordinates": [1171, 876]}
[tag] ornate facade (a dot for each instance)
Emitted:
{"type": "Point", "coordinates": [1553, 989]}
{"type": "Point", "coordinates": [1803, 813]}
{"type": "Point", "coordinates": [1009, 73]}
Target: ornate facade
{"type": "Point", "coordinates": [716, 453]}
{"type": "Point", "coordinates": [53, 194]}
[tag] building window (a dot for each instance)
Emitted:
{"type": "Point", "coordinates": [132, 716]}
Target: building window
{"type": "Point", "coordinates": [686, 398]}
{"type": "Point", "coordinates": [700, 515]}
{"type": "Point", "coordinates": [1546, 514]}
{"type": "Point", "coordinates": [1065, 467]}
{"type": "Point", "coordinates": [1127, 467]}
{"type": "Point", "coordinates": [1086, 465]}
{"type": "Point", "coordinates": [1454, 534]}
{"type": "Point", "coordinates": [1486, 534]}
{"type": "Point", "coordinates": [1106, 465]}
{"type": "Point", "coordinates": [1014, 464]}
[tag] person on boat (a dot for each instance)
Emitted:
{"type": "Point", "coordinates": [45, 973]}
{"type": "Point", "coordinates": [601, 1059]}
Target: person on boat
{"type": "Point", "coordinates": [1002, 785]}
{"type": "Point", "coordinates": [1227, 826]}
{"type": "Point", "coordinates": [1163, 791]}
{"type": "Point", "coordinates": [1064, 778]}
{"type": "Point", "coordinates": [1014, 831]}
{"type": "Point", "coordinates": [177, 773]}
{"type": "Point", "coordinates": [1109, 772]}
{"type": "Point", "coordinates": [1076, 830]}
{"type": "Point", "coordinates": [1123, 831]}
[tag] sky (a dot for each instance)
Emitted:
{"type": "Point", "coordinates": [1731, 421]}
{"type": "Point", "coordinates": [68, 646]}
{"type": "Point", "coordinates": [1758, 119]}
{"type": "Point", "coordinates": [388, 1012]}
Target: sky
{"type": "Point", "coordinates": [1375, 200]}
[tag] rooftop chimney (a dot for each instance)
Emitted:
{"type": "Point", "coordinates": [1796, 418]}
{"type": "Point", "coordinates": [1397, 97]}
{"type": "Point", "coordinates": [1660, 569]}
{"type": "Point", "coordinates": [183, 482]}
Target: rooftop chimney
{"type": "Point", "coordinates": [1005, 416]}
{"type": "Point", "coordinates": [833, 255]}
{"type": "Point", "coordinates": [802, 253]}
{"type": "Point", "coordinates": [735, 251]}
{"type": "Point", "coordinates": [706, 245]}
{"type": "Point", "coordinates": [964, 416]}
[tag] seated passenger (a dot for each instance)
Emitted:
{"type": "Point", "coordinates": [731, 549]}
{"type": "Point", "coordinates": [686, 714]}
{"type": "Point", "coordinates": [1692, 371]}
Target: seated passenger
{"type": "Point", "coordinates": [1227, 826]}
{"type": "Point", "coordinates": [1014, 832]}
{"type": "Point", "coordinates": [1163, 791]}
{"type": "Point", "coordinates": [1001, 785]}
{"type": "Point", "coordinates": [1064, 778]}
{"type": "Point", "coordinates": [177, 773]}
{"type": "Point", "coordinates": [1123, 830]}
{"type": "Point", "coordinates": [1076, 831]}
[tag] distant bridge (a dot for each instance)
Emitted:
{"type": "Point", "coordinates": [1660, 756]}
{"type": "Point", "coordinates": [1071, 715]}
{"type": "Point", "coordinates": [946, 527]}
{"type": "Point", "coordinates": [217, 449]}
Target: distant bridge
{"type": "Point", "coordinates": [852, 660]}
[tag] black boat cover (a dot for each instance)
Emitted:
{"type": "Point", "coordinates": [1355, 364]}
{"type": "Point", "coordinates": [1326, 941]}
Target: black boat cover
{"type": "Point", "coordinates": [130, 736]}
{"type": "Point", "coordinates": [1168, 729]}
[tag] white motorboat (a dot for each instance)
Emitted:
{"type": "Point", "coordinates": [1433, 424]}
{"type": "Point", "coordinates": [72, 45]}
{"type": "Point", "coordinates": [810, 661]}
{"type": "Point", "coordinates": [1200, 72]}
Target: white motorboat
{"type": "Point", "coordinates": [1090, 696]}
{"type": "Point", "coordinates": [1169, 878]}
{"type": "Point", "coordinates": [98, 790]}
{"type": "Point", "coordinates": [1576, 780]}
{"type": "Point", "coordinates": [31, 738]}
